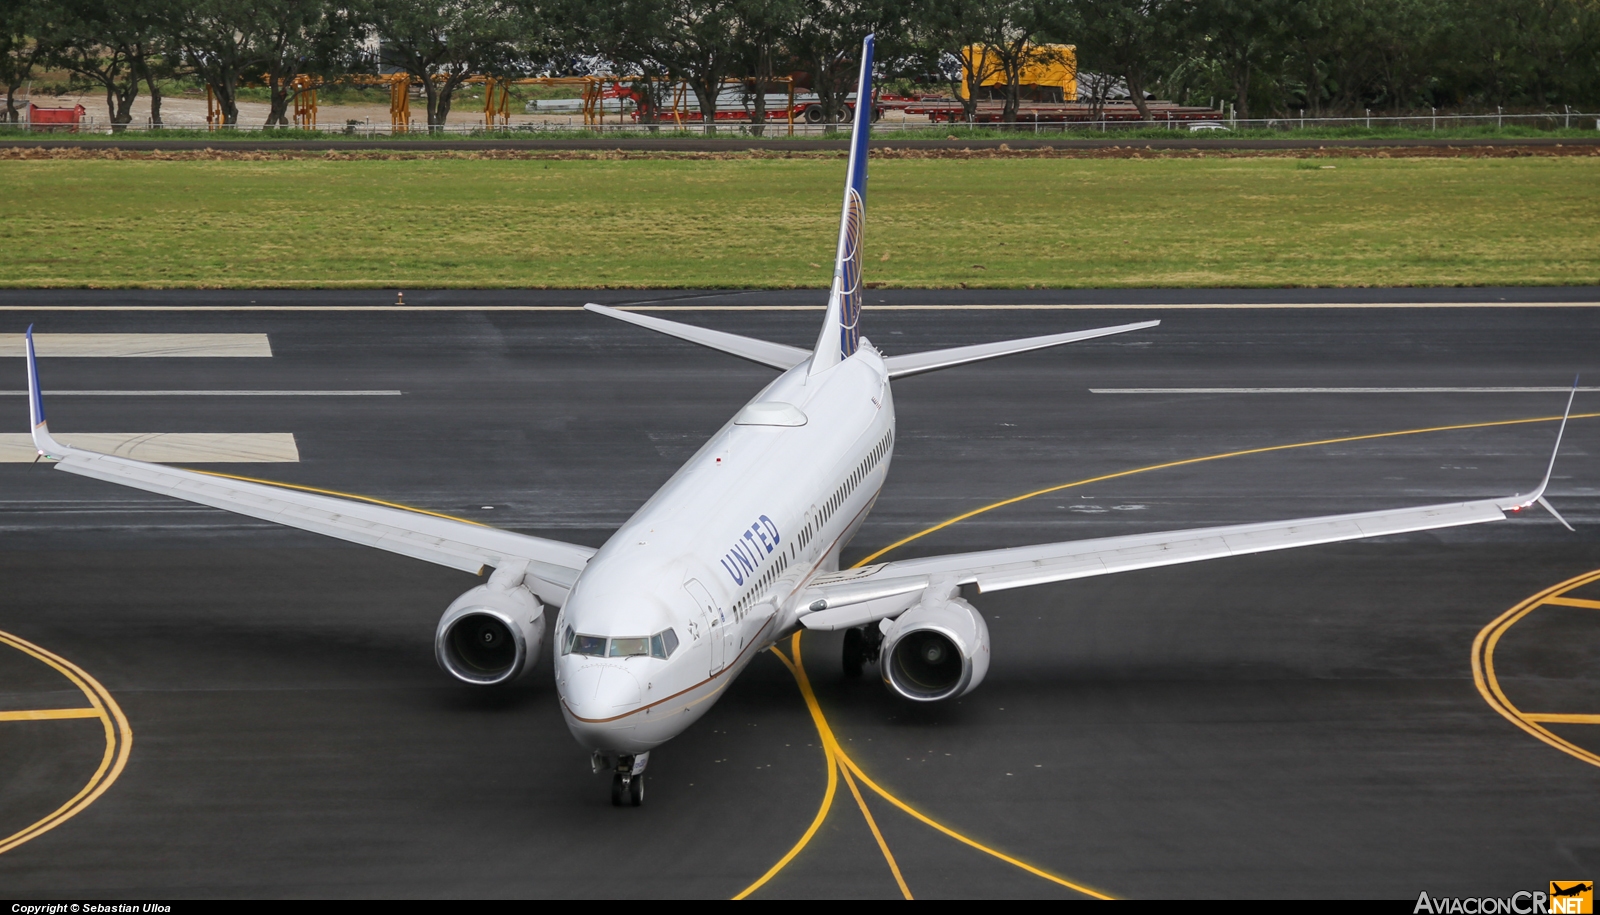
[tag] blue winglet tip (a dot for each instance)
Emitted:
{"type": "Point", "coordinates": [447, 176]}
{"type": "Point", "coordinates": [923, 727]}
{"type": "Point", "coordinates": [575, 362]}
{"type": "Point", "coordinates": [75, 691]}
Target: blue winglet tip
{"type": "Point", "coordinates": [36, 396]}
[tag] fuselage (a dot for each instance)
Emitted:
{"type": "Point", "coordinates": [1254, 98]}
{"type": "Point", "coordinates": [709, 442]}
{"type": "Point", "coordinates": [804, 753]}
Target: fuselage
{"type": "Point", "coordinates": [707, 573]}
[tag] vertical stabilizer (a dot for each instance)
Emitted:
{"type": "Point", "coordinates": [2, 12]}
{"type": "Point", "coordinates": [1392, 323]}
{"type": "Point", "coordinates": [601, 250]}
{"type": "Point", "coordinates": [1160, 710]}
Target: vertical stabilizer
{"type": "Point", "coordinates": [841, 332]}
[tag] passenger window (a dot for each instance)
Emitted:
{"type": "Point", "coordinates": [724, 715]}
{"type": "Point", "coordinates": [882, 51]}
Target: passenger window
{"type": "Point", "coordinates": [630, 648]}
{"type": "Point", "coordinates": [592, 645]}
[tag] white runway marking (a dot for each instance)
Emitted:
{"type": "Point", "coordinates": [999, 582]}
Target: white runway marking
{"type": "Point", "coordinates": [166, 447]}
{"type": "Point", "coordinates": [473, 309]}
{"type": "Point", "coordinates": [1486, 390]}
{"type": "Point", "coordinates": [217, 393]}
{"type": "Point", "coordinates": [141, 345]}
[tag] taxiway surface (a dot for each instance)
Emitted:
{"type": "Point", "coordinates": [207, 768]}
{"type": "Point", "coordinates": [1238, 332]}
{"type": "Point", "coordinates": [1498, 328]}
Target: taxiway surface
{"type": "Point", "coordinates": [1298, 724]}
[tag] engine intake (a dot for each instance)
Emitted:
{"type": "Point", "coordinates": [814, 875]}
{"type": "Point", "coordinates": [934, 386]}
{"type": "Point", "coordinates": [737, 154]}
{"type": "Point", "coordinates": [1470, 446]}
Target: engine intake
{"type": "Point", "coordinates": [490, 634]}
{"type": "Point", "coordinates": [937, 650]}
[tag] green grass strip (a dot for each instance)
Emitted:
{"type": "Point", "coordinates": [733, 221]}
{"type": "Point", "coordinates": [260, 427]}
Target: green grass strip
{"type": "Point", "coordinates": [772, 222]}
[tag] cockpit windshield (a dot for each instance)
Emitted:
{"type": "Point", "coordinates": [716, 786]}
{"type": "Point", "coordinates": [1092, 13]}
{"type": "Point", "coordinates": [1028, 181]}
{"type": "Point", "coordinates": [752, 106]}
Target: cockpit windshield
{"type": "Point", "coordinates": [630, 648]}
{"type": "Point", "coordinates": [661, 645]}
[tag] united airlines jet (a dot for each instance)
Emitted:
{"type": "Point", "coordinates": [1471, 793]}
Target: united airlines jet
{"type": "Point", "coordinates": [741, 547]}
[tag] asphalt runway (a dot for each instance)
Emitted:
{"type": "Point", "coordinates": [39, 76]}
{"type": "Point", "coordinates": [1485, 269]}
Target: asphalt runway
{"type": "Point", "coordinates": [1291, 725]}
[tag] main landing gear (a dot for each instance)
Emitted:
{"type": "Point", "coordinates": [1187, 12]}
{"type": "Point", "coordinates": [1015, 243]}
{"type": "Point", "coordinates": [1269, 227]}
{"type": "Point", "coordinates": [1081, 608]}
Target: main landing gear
{"type": "Point", "coordinates": [627, 777]}
{"type": "Point", "coordinates": [860, 649]}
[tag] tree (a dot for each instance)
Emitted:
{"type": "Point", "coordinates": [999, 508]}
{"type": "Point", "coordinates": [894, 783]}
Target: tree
{"type": "Point", "coordinates": [441, 44]}
{"type": "Point", "coordinates": [957, 29]}
{"type": "Point", "coordinates": [19, 50]}
{"type": "Point", "coordinates": [826, 41]}
{"type": "Point", "coordinates": [696, 43]}
{"type": "Point", "coordinates": [113, 44]}
{"type": "Point", "coordinates": [1241, 37]}
{"type": "Point", "coordinates": [220, 42]}
{"type": "Point", "coordinates": [758, 47]}
{"type": "Point", "coordinates": [1129, 39]}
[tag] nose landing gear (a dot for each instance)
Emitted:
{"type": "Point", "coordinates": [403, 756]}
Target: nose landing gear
{"type": "Point", "coordinates": [627, 777]}
{"type": "Point", "coordinates": [627, 790]}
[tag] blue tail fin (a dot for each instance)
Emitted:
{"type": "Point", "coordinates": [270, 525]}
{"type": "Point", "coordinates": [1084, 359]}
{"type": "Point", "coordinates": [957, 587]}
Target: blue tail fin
{"type": "Point", "coordinates": [841, 331]}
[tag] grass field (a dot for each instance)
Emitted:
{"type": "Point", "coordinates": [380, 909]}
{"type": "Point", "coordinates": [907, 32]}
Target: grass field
{"type": "Point", "coordinates": [462, 222]}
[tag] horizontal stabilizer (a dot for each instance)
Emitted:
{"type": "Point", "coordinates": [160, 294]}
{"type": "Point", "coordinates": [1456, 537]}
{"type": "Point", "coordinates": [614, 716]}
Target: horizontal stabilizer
{"type": "Point", "coordinates": [775, 355]}
{"type": "Point", "coordinates": [933, 360]}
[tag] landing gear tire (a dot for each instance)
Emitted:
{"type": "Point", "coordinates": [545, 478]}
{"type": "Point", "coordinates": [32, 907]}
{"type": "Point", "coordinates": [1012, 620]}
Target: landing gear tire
{"type": "Point", "coordinates": [855, 653]}
{"type": "Point", "coordinates": [627, 790]}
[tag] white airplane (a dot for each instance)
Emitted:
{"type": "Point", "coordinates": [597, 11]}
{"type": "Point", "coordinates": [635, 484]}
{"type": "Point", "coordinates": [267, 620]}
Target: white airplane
{"type": "Point", "coordinates": [741, 547]}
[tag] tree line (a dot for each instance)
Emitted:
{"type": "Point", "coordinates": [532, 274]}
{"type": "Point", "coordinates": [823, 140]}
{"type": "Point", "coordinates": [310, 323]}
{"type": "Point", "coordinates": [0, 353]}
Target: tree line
{"type": "Point", "coordinates": [1264, 57]}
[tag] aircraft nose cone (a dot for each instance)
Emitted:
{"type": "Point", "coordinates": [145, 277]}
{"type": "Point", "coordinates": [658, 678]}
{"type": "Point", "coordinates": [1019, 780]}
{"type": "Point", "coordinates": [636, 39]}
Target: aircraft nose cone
{"type": "Point", "coordinates": [602, 691]}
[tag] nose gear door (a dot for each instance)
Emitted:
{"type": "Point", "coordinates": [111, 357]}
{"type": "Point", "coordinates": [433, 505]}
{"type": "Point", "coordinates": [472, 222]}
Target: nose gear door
{"type": "Point", "coordinates": [714, 620]}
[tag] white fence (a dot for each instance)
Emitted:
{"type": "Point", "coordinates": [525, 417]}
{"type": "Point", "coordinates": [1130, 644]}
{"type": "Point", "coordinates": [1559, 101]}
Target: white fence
{"type": "Point", "coordinates": [1432, 122]}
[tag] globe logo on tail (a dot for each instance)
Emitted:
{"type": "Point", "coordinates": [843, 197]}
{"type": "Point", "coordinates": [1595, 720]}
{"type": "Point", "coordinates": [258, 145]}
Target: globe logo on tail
{"type": "Point", "coordinates": [849, 278]}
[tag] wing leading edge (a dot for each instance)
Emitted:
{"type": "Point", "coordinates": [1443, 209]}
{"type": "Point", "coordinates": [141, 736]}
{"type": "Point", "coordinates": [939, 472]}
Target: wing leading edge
{"type": "Point", "coordinates": [552, 566]}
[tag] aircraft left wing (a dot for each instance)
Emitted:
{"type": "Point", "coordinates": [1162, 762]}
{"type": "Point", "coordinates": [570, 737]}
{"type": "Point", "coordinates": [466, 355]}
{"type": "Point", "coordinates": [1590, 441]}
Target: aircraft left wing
{"type": "Point", "coordinates": [855, 597]}
{"type": "Point", "coordinates": [552, 566]}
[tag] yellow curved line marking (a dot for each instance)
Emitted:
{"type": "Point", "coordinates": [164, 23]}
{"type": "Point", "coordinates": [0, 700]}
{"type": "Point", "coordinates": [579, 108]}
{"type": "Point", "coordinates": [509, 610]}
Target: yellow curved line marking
{"type": "Point", "coordinates": [1200, 460]}
{"type": "Point", "coordinates": [873, 825]}
{"type": "Point", "coordinates": [833, 753]}
{"type": "Point", "coordinates": [119, 741]}
{"type": "Point", "coordinates": [837, 755]}
{"type": "Point", "coordinates": [343, 495]}
{"type": "Point", "coordinates": [912, 812]}
{"type": "Point", "coordinates": [827, 796]}
{"type": "Point", "coordinates": [1483, 676]}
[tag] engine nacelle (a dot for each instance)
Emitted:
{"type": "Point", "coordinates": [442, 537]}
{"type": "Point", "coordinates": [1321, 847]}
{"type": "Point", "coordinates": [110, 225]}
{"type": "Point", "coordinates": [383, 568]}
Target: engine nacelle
{"type": "Point", "coordinates": [490, 634]}
{"type": "Point", "coordinates": [937, 650]}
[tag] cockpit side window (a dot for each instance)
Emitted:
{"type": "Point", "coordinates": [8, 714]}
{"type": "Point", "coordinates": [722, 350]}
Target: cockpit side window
{"type": "Point", "coordinates": [663, 644]}
{"type": "Point", "coordinates": [567, 639]}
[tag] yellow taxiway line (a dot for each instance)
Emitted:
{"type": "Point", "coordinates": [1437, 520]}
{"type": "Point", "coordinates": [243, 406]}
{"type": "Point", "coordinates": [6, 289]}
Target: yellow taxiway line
{"type": "Point", "coordinates": [50, 714]}
{"type": "Point", "coordinates": [837, 756]}
{"type": "Point", "coordinates": [118, 735]}
{"type": "Point", "coordinates": [1483, 672]}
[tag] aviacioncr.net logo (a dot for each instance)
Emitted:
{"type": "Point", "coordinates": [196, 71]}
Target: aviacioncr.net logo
{"type": "Point", "coordinates": [1566, 897]}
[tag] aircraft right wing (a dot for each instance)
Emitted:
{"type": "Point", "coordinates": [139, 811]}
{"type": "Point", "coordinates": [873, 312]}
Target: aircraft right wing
{"type": "Point", "coordinates": [855, 597]}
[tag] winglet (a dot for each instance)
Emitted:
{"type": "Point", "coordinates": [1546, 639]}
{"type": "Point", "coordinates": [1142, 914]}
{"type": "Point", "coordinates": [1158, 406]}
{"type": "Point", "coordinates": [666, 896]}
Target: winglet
{"type": "Point", "coordinates": [1519, 502]}
{"type": "Point", "coordinates": [47, 446]}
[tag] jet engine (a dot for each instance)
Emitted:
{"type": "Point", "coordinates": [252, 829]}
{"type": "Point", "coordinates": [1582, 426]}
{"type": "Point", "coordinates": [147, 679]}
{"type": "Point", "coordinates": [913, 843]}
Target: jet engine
{"type": "Point", "coordinates": [491, 634]}
{"type": "Point", "coordinates": [938, 649]}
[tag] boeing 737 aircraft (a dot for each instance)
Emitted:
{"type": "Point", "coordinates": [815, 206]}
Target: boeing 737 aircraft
{"type": "Point", "coordinates": [741, 547]}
